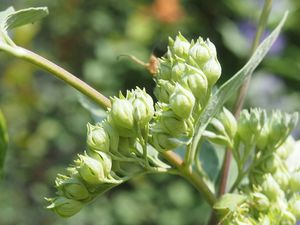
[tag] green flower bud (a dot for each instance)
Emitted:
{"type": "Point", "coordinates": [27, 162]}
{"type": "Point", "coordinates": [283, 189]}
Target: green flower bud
{"type": "Point", "coordinates": [163, 90]}
{"type": "Point", "coordinates": [270, 164]}
{"type": "Point", "coordinates": [178, 70]}
{"type": "Point", "coordinates": [200, 51]}
{"type": "Point", "coordinates": [287, 218]}
{"type": "Point", "coordinates": [216, 139]}
{"type": "Point", "coordinates": [218, 126]}
{"type": "Point", "coordinates": [277, 128]}
{"type": "Point", "coordinates": [229, 122]}
{"type": "Point", "coordinates": [295, 182]}
{"type": "Point", "coordinates": [143, 107]}
{"type": "Point", "coordinates": [286, 148]}
{"type": "Point", "coordinates": [122, 113]}
{"type": "Point", "coordinates": [65, 207]}
{"type": "Point", "coordinates": [211, 47]}
{"type": "Point", "coordinates": [182, 102]}
{"type": "Point", "coordinates": [172, 124]}
{"type": "Point", "coordinates": [113, 135]}
{"type": "Point", "coordinates": [263, 138]}
{"type": "Point", "coordinates": [197, 83]}
{"type": "Point", "coordinates": [250, 125]}
{"type": "Point", "coordinates": [97, 138]}
{"type": "Point", "coordinates": [212, 69]}
{"type": "Point", "coordinates": [164, 70]}
{"type": "Point", "coordinates": [260, 201]}
{"type": "Point", "coordinates": [180, 47]}
{"type": "Point", "coordinates": [91, 170]}
{"type": "Point", "coordinates": [163, 141]}
{"type": "Point", "coordinates": [257, 120]}
{"type": "Point", "coordinates": [282, 177]}
{"type": "Point", "coordinates": [271, 188]}
{"type": "Point", "coordinates": [103, 158]}
{"type": "Point", "coordinates": [294, 206]}
{"type": "Point", "coordinates": [72, 188]}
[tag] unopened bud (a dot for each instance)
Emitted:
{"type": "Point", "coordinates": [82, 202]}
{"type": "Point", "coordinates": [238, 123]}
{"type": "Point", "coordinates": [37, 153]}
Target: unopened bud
{"type": "Point", "coordinates": [260, 201]}
{"type": "Point", "coordinates": [97, 138]}
{"type": "Point", "coordinates": [216, 139]}
{"type": "Point", "coordinates": [197, 83]}
{"type": "Point", "coordinates": [163, 90]}
{"type": "Point", "coordinates": [182, 102]}
{"type": "Point", "coordinates": [143, 107]}
{"type": "Point", "coordinates": [91, 170]}
{"type": "Point", "coordinates": [178, 70]}
{"type": "Point", "coordinates": [164, 71]}
{"type": "Point", "coordinates": [122, 113]}
{"type": "Point", "coordinates": [164, 141]}
{"type": "Point", "coordinates": [229, 122]}
{"type": "Point", "coordinates": [103, 158]}
{"type": "Point", "coordinates": [72, 188]}
{"type": "Point", "coordinates": [180, 47]}
{"type": "Point", "coordinates": [172, 124]}
{"type": "Point", "coordinates": [65, 207]}
{"type": "Point", "coordinates": [212, 69]}
{"type": "Point", "coordinates": [271, 188]}
{"type": "Point", "coordinates": [113, 135]}
{"type": "Point", "coordinates": [282, 177]}
{"type": "Point", "coordinates": [211, 47]}
{"type": "Point", "coordinates": [270, 164]}
{"type": "Point", "coordinates": [243, 130]}
{"type": "Point", "coordinates": [200, 51]}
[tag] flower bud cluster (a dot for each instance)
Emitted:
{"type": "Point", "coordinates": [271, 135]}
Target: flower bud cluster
{"type": "Point", "coordinates": [263, 138]}
{"type": "Point", "coordinates": [275, 188]}
{"type": "Point", "coordinates": [267, 131]}
{"type": "Point", "coordinates": [183, 86]}
{"type": "Point", "coordinates": [113, 154]}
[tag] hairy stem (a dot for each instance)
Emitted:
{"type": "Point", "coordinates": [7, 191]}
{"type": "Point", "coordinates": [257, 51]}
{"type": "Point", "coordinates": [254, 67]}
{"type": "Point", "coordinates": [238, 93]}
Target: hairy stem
{"type": "Point", "coordinates": [243, 91]}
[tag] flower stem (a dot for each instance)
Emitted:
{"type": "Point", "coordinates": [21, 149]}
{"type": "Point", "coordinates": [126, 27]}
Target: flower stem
{"type": "Point", "coordinates": [243, 90]}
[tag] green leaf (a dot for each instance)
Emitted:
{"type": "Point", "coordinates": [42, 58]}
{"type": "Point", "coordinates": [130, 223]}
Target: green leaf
{"type": "Point", "coordinates": [98, 114]}
{"type": "Point", "coordinates": [5, 13]}
{"type": "Point", "coordinates": [229, 201]}
{"type": "Point", "coordinates": [232, 85]}
{"type": "Point", "coordinates": [210, 160]}
{"type": "Point", "coordinates": [3, 142]}
{"type": "Point", "coordinates": [22, 17]}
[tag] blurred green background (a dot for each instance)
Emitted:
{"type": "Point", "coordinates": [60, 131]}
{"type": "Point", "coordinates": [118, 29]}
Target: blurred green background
{"type": "Point", "coordinates": [47, 123]}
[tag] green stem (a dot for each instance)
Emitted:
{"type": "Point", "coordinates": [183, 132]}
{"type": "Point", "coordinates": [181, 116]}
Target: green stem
{"type": "Point", "coordinates": [243, 90]}
{"type": "Point", "coordinates": [59, 72]}
{"type": "Point", "coordinates": [192, 177]}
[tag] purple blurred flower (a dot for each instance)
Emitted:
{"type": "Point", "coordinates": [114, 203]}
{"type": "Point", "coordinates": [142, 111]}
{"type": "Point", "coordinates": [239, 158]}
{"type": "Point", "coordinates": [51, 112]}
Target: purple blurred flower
{"type": "Point", "coordinates": [248, 30]}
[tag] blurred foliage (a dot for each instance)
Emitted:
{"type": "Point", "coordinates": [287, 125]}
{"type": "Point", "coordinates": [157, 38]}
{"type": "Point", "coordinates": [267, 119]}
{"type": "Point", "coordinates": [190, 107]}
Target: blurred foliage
{"type": "Point", "coordinates": [47, 123]}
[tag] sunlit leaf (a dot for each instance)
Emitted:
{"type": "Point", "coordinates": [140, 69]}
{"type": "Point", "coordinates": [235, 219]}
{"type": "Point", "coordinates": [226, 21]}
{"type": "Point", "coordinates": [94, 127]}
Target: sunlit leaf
{"type": "Point", "coordinates": [11, 19]}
